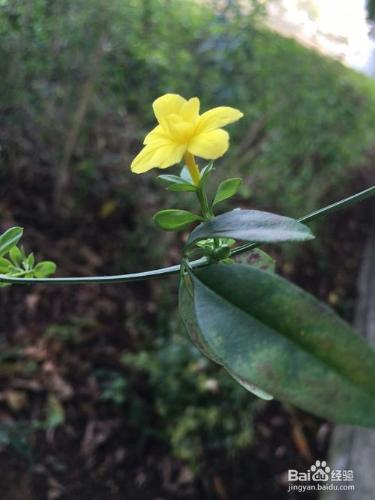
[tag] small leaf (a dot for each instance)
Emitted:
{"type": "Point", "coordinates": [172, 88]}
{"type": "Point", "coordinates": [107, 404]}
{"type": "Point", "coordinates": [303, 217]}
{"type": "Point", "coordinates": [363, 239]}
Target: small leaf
{"type": "Point", "coordinates": [30, 261]}
{"type": "Point", "coordinates": [183, 187]}
{"type": "Point", "coordinates": [210, 242]}
{"type": "Point", "coordinates": [9, 239]}
{"type": "Point", "coordinates": [5, 268]}
{"type": "Point", "coordinates": [172, 219]}
{"type": "Point", "coordinates": [252, 225]}
{"type": "Point", "coordinates": [205, 173]}
{"type": "Point", "coordinates": [176, 183]}
{"type": "Point", "coordinates": [44, 269]}
{"type": "Point", "coordinates": [170, 179]}
{"type": "Point", "coordinates": [5, 265]}
{"type": "Point", "coordinates": [227, 189]}
{"type": "Point", "coordinates": [185, 175]}
{"type": "Point", "coordinates": [15, 255]}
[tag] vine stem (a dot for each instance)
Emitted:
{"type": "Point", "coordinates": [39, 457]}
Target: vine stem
{"type": "Point", "coordinates": [166, 271]}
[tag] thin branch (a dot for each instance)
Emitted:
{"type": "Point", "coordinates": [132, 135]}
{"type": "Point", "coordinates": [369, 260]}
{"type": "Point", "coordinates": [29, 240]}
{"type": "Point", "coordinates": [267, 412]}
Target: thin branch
{"type": "Point", "coordinates": [166, 271]}
{"type": "Point", "coordinates": [322, 212]}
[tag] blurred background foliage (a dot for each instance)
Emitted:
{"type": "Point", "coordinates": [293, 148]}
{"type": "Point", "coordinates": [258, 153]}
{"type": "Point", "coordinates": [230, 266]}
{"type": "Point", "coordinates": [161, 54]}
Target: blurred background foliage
{"type": "Point", "coordinates": [78, 80]}
{"type": "Point", "coordinates": [71, 66]}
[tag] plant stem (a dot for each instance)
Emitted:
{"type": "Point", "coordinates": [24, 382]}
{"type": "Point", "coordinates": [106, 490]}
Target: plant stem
{"type": "Point", "coordinates": [193, 168]}
{"type": "Point", "coordinates": [206, 210]}
{"type": "Point", "coordinates": [196, 178]}
{"type": "Point", "coordinates": [166, 271]}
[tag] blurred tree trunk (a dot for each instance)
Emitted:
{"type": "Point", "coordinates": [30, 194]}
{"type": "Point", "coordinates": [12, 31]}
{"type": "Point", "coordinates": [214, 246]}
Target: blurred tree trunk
{"type": "Point", "coordinates": [64, 171]}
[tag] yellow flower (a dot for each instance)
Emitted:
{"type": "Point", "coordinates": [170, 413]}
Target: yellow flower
{"type": "Point", "coordinates": [182, 133]}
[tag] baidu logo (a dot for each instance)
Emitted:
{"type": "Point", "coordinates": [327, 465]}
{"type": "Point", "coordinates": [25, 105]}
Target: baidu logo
{"type": "Point", "coordinates": [320, 477]}
{"type": "Point", "coordinates": [320, 471]}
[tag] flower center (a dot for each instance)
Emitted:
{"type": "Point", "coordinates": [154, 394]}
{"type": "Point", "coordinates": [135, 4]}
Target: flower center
{"type": "Point", "coordinates": [180, 130]}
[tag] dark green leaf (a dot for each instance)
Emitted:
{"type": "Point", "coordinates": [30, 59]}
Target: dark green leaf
{"type": "Point", "coordinates": [226, 189]}
{"type": "Point", "coordinates": [173, 219]}
{"type": "Point", "coordinates": [189, 319]}
{"type": "Point", "coordinates": [43, 269]}
{"type": "Point", "coordinates": [9, 239]}
{"type": "Point", "coordinates": [268, 332]}
{"type": "Point", "coordinates": [186, 308]}
{"type": "Point", "coordinates": [252, 225]}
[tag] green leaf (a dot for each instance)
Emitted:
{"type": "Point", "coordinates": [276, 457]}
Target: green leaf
{"type": "Point", "coordinates": [251, 387]}
{"type": "Point", "coordinates": [252, 225]}
{"type": "Point", "coordinates": [189, 319]}
{"type": "Point", "coordinates": [227, 189]}
{"type": "Point", "coordinates": [205, 173]}
{"type": "Point", "coordinates": [173, 219]}
{"type": "Point", "coordinates": [5, 265]}
{"type": "Point", "coordinates": [171, 179]}
{"type": "Point", "coordinates": [185, 175]}
{"type": "Point", "coordinates": [268, 332]}
{"type": "Point", "coordinates": [176, 183]}
{"type": "Point", "coordinates": [30, 261]}
{"type": "Point", "coordinates": [15, 255]}
{"type": "Point", "coordinates": [183, 187]}
{"type": "Point", "coordinates": [43, 269]}
{"type": "Point", "coordinates": [9, 239]}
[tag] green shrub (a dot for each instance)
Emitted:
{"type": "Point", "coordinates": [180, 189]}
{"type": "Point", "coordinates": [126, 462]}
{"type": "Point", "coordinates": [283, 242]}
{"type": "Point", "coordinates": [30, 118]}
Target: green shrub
{"type": "Point", "coordinates": [308, 120]}
{"type": "Point", "coordinates": [199, 408]}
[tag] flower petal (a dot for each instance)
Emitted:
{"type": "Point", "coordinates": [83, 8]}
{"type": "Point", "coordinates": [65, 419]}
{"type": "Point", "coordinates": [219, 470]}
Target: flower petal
{"type": "Point", "coordinates": [190, 110]}
{"type": "Point", "coordinates": [217, 118]}
{"type": "Point", "coordinates": [172, 154]}
{"type": "Point", "coordinates": [156, 134]}
{"type": "Point", "coordinates": [157, 154]}
{"type": "Point", "coordinates": [209, 145]}
{"type": "Point", "coordinates": [166, 105]}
